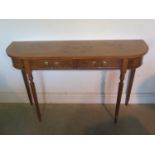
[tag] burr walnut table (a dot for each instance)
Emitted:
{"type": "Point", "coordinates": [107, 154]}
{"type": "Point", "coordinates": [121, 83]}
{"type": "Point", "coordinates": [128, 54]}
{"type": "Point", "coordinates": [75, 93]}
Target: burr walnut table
{"type": "Point", "coordinates": [82, 55]}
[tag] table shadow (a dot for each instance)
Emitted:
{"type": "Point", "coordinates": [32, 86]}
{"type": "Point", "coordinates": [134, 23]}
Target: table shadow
{"type": "Point", "coordinates": [125, 126]}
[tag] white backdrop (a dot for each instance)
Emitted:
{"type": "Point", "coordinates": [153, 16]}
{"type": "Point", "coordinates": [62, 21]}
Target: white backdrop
{"type": "Point", "coordinates": [76, 86]}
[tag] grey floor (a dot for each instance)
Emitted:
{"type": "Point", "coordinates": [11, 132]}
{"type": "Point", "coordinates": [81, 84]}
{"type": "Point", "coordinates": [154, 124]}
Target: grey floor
{"type": "Point", "coordinates": [76, 119]}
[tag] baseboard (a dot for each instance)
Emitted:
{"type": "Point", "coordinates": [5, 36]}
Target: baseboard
{"type": "Point", "coordinates": [91, 98]}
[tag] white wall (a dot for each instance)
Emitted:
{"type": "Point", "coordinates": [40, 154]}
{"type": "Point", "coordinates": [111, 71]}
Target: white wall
{"type": "Point", "coordinates": [76, 86]}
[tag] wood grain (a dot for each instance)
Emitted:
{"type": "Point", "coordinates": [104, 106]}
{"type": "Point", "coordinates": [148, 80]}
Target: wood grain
{"type": "Point", "coordinates": [77, 49]}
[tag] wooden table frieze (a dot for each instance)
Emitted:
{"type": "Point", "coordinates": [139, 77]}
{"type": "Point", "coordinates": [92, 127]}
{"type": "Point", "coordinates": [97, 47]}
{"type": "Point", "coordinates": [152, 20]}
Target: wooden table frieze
{"type": "Point", "coordinates": [79, 55]}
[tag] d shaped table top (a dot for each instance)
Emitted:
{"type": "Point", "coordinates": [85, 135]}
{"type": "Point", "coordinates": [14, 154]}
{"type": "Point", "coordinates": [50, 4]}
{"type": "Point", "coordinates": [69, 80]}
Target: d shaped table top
{"type": "Point", "coordinates": [77, 49]}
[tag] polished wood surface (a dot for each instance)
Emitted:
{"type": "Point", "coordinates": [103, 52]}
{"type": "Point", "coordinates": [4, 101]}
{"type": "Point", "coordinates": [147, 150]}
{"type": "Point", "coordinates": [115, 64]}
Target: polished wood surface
{"type": "Point", "coordinates": [27, 85]}
{"type": "Point", "coordinates": [78, 49]}
{"type": "Point", "coordinates": [32, 87]}
{"type": "Point", "coordinates": [120, 88]}
{"type": "Point", "coordinates": [59, 63]}
{"type": "Point", "coordinates": [97, 54]}
{"type": "Point", "coordinates": [130, 83]}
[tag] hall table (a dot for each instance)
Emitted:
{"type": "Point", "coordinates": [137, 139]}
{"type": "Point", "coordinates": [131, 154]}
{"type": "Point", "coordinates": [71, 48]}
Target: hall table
{"type": "Point", "coordinates": [77, 55]}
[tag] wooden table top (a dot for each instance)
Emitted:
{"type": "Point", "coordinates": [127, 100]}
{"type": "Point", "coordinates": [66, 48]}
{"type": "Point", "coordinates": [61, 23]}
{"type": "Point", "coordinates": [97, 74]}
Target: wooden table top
{"type": "Point", "coordinates": [77, 49]}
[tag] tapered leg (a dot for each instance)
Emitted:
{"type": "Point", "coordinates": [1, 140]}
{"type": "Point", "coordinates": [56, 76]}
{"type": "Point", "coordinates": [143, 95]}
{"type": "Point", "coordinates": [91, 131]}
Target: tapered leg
{"type": "Point", "coordinates": [32, 85]}
{"type": "Point", "coordinates": [129, 87]}
{"type": "Point", "coordinates": [120, 88]}
{"type": "Point", "coordinates": [26, 81]}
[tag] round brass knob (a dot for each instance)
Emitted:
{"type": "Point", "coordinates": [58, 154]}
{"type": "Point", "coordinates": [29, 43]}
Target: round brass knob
{"type": "Point", "coordinates": [56, 63]}
{"type": "Point", "coordinates": [46, 62]}
{"type": "Point", "coordinates": [104, 62]}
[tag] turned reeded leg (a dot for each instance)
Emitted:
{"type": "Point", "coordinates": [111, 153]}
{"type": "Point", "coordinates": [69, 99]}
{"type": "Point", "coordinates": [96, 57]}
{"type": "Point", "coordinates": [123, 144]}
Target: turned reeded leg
{"type": "Point", "coordinates": [32, 87]}
{"type": "Point", "coordinates": [26, 81]}
{"type": "Point", "coordinates": [120, 88]}
{"type": "Point", "coordinates": [129, 87]}
{"type": "Point", "coordinates": [34, 95]}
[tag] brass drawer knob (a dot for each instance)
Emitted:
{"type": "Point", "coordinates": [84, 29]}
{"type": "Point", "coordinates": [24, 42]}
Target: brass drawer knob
{"type": "Point", "coordinates": [104, 62]}
{"type": "Point", "coordinates": [56, 63]}
{"type": "Point", "coordinates": [46, 63]}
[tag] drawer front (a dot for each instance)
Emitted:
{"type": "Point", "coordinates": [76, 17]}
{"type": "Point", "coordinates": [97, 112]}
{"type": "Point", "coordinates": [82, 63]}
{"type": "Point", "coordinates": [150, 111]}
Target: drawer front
{"type": "Point", "coordinates": [51, 64]}
{"type": "Point", "coordinates": [77, 64]}
{"type": "Point", "coordinates": [104, 63]}
{"type": "Point", "coordinates": [71, 64]}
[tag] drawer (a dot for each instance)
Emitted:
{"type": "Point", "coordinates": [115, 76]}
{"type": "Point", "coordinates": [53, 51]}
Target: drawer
{"type": "Point", "coordinates": [51, 64]}
{"type": "Point", "coordinates": [104, 63]}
